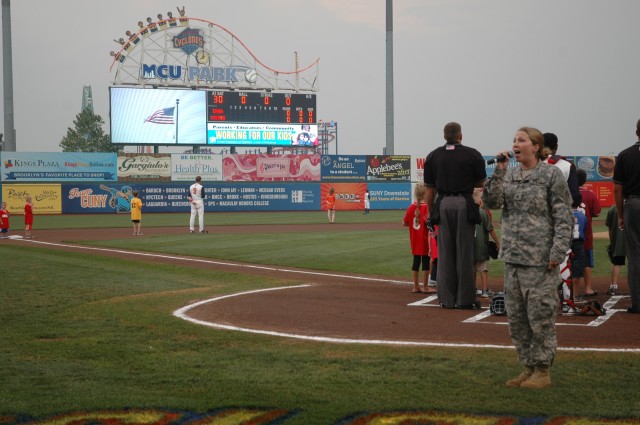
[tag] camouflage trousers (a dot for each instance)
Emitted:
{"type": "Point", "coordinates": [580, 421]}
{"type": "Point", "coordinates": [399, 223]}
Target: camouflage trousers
{"type": "Point", "coordinates": [531, 299]}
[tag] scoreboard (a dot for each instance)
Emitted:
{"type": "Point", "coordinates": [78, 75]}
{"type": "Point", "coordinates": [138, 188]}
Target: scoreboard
{"type": "Point", "coordinates": [141, 116]}
{"type": "Point", "coordinates": [260, 107]}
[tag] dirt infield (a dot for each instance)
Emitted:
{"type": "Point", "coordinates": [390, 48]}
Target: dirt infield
{"type": "Point", "coordinates": [360, 309]}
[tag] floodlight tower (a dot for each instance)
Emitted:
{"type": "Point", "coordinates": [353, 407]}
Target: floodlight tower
{"type": "Point", "coordinates": [7, 69]}
{"type": "Point", "coordinates": [390, 124]}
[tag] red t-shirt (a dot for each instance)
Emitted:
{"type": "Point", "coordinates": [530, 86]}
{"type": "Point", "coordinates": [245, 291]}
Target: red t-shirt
{"type": "Point", "coordinates": [4, 219]}
{"type": "Point", "coordinates": [591, 208]}
{"type": "Point", "coordinates": [28, 214]}
{"type": "Point", "coordinates": [418, 233]}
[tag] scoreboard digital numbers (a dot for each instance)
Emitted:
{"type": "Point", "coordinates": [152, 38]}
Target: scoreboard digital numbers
{"type": "Point", "coordinates": [260, 107]}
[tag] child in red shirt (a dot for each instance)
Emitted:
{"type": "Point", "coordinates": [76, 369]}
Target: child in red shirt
{"type": "Point", "coordinates": [4, 221]}
{"type": "Point", "coordinates": [416, 220]}
{"type": "Point", "coordinates": [28, 218]}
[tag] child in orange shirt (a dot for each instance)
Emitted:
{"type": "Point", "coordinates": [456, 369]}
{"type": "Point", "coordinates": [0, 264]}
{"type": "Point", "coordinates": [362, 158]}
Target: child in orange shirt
{"type": "Point", "coordinates": [331, 205]}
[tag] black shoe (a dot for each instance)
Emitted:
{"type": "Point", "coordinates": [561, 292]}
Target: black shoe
{"type": "Point", "coordinates": [447, 306]}
{"type": "Point", "coordinates": [633, 310]}
{"type": "Point", "coordinates": [474, 306]}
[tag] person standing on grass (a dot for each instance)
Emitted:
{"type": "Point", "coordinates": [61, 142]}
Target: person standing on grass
{"type": "Point", "coordinates": [453, 171]}
{"type": "Point", "coordinates": [136, 214]}
{"type": "Point", "coordinates": [367, 202]}
{"type": "Point", "coordinates": [28, 218]}
{"type": "Point", "coordinates": [626, 191]}
{"type": "Point", "coordinates": [331, 205]}
{"type": "Point", "coordinates": [196, 199]}
{"type": "Point", "coordinates": [416, 220]}
{"type": "Point", "coordinates": [537, 225]}
{"type": "Point", "coordinates": [4, 221]}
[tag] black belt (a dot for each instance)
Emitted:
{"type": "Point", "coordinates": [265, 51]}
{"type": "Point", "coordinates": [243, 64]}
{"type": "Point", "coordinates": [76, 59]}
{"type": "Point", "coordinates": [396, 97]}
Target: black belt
{"type": "Point", "coordinates": [445, 195]}
{"type": "Point", "coordinates": [633, 196]}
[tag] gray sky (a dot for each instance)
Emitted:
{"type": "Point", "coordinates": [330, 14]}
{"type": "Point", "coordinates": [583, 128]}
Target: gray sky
{"type": "Point", "coordinates": [571, 67]}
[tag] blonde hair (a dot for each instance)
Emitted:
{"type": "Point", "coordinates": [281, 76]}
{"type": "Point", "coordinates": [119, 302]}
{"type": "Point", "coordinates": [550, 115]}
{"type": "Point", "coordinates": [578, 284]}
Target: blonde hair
{"type": "Point", "coordinates": [419, 193]}
{"type": "Point", "coordinates": [28, 198]}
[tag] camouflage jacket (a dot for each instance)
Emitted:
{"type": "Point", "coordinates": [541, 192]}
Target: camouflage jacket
{"type": "Point", "coordinates": [537, 221]}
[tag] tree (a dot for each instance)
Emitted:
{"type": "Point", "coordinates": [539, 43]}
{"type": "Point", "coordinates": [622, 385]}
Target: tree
{"type": "Point", "coordinates": [87, 136]}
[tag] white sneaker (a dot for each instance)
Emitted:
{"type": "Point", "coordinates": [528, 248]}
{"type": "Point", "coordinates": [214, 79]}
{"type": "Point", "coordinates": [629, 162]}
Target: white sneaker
{"type": "Point", "coordinates": [478, 291]}
{"type": "Point", "coordinates": [485, 294]}
{"type": "Point", "coordinates": [613, 289]}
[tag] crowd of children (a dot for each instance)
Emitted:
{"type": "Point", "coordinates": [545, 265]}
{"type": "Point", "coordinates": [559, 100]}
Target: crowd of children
{"type": "Point", "coordinates": [28, 219]}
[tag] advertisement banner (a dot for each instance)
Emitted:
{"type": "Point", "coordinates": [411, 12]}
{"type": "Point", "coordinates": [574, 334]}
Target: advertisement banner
{"type": "Point", "coordinates": [58, 166]}
{"type": "Point", "coordinates": [86, 198]}
{"type": "Point", "coordinates": [603, 191]}
{"type": "Point", "coordinates": [598, 168]}
{"type": "Point", "coordinates": [144, 167]}
{"type": "Point", "coordinates": [390, 196]}
{"type": "Point", "coordinates": [186, 167]}
{"type": "Point", "coordinates": [45, 198]}
{"type": "Point", "coordinates": [349, 196]}
{"type": "Point", "coordinates": [417, 168]}
{"type": "Point", "coordinates": [262, 134]}
{"type": "Point", "coordinates": [167, 197]}
{"type": "Point", "coordinates": [388, 167]}
{"type": "Point", "coordinates": [267, 167]}
{"type": "Point", "coordinates": [344, 167]}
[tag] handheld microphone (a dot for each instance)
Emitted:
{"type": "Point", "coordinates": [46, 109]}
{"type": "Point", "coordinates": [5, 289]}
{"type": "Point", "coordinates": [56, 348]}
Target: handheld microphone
{"type": "Point", "coordinates": [500, 158]}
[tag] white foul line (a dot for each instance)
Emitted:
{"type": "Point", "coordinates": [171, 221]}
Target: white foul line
{"type": "Point", "coordinates": [221, 263]}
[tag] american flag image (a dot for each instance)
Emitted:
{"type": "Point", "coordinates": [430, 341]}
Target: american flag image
{"type": "Point", "coordinates": [162, 116]}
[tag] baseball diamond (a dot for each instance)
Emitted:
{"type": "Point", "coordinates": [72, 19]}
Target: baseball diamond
{"type": "Point", "coordinates": [342, 307]}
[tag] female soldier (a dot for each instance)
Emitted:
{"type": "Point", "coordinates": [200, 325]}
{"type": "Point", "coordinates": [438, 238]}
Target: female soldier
{"type": "Point", "coordinates": [537, 225]}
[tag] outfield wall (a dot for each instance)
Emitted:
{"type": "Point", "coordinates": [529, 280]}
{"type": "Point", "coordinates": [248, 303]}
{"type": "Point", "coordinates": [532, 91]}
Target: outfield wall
{"type": "Point", "coordinates": [71, 183]}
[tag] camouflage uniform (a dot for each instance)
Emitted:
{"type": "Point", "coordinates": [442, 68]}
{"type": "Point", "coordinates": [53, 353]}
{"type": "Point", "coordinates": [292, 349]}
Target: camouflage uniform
{"type": "Point", "coordinates": [537, 225]}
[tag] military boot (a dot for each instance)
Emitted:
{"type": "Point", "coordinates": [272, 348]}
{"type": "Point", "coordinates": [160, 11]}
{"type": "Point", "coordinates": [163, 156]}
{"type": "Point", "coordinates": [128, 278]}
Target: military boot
{"type": "Point", "coordinates": [539, 379]}
{"type": "Point", "coordinates": [518, 380]}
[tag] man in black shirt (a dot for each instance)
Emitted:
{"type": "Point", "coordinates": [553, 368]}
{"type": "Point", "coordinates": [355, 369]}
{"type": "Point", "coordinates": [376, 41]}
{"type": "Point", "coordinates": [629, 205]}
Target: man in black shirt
{"type": "Point", "coordinates": [626, 190]}
{"type": "Point", "coordinates": [451, 172]}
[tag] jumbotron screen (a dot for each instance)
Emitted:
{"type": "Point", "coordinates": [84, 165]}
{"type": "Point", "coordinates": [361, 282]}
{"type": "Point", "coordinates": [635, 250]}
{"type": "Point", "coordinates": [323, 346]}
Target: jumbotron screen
{"type": "Point", "coordinates": [147, 116]}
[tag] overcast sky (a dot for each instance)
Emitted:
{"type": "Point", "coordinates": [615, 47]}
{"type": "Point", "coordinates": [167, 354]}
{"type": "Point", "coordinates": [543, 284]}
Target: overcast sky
{"type": "Point", "coordinates": [571, 67]}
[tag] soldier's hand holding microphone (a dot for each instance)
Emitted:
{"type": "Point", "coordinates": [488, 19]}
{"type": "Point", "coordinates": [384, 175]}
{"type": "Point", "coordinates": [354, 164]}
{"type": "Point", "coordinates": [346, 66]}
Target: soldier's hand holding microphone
{"type": "Point", "coordinates": [501, 160]}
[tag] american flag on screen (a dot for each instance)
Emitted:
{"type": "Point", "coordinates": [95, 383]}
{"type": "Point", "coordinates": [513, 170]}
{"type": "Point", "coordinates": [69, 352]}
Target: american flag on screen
{"type": "Point", "coordinates": [162, 116]}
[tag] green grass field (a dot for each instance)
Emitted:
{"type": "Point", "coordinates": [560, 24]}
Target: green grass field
{"type": "Point", "coordinates": [83, 334]}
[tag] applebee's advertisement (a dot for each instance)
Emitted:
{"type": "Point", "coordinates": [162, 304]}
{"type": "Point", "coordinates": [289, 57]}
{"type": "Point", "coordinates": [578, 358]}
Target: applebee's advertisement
{"type": "Point", "coordinates": [389, 168]}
